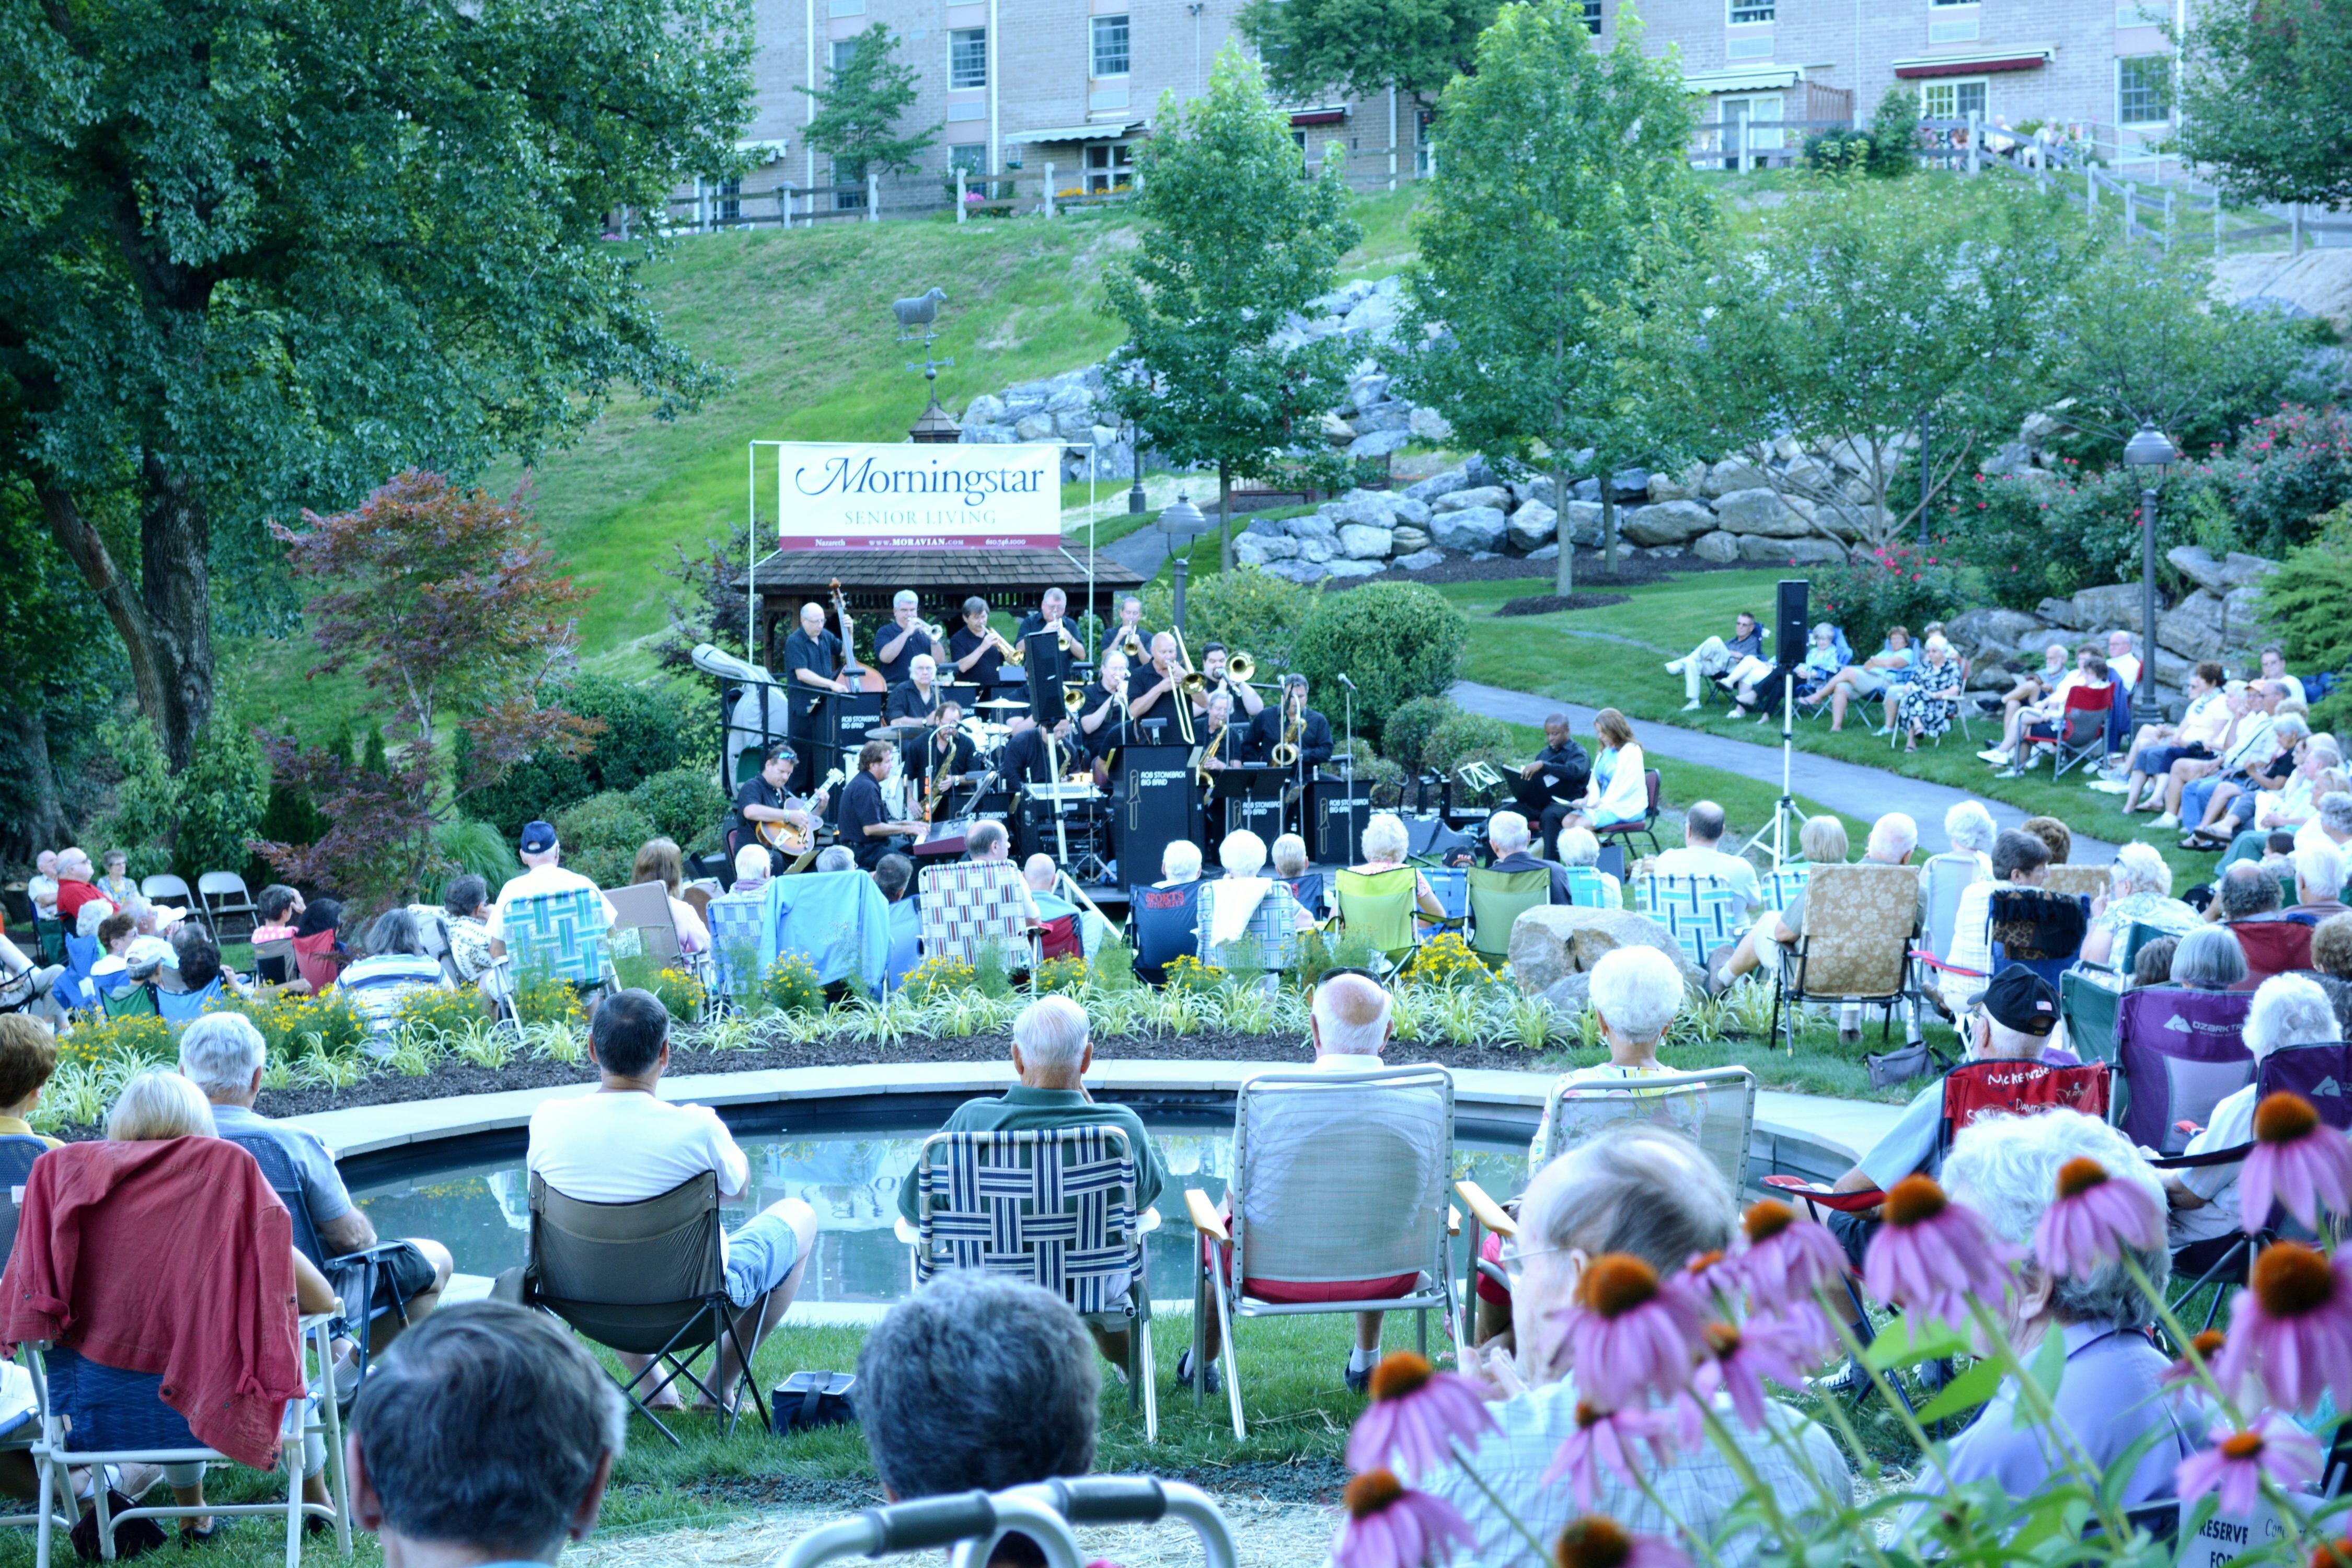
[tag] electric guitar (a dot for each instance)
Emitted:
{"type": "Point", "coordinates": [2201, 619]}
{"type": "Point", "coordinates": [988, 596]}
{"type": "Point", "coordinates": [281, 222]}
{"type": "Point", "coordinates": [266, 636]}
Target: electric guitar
{"type": "Point", "coordinates": [790, 837]}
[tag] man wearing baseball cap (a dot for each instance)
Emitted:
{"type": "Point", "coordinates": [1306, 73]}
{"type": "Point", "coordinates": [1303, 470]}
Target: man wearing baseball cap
{"type": "Point", "coordinates": [542, 874]}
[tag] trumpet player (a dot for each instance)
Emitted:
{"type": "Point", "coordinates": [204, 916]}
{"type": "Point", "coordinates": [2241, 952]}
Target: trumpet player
{"type": "Point", "coordinates": [1129, 636]}
{"type": "Point", "coordinates": [902, 638]}
{"type": "Point", "coordinates": [918, 696]}
{"type": "Point", "coordinates": [1247, 704]}
{"type": "Point", "coordinates": [1294, 724]}
{"type": "Point", "coordinates": [1051, 649]}
{"type": "Point", "coordinates": [979, 653]}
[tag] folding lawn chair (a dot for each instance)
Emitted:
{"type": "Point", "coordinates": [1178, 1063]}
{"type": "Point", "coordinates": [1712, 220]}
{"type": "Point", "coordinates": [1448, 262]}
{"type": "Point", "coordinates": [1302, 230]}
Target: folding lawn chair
{"type": "Point", "coordinates": [2078, 734]}
{"type": "Point", "coordinates": [736, 922]}
{"type": "Point", "coordinates": [2271, 946]}
{"type": "Point", "coordinates": [972, 1523]}
{"type": "Point", "coordinates": [225, 896]}
{"type": "Point", "coordinates": [1856, 945]}
{"type": "Point", "coordinates": [1645, 825]}
{"type": "Point", "coordinates": [1497, 899]}
{"type": "Point", "coordinates": [972, 903]}
{"type": "Point", "coordinates": [2078, 881]}
{"type": "Point", "coordinates": [1589, 889]}
{"type": "Point", "coordinates": [1379, 906]}
{"type": "Point", "coordinates": [1451, 885]}
{"type": "Point", "coordinates": [2088, 1000]}
{"type": "Point", "coordinates": [1702, 913]}
{"type": "Point", "coordinates": [1167, 927]}
{"type": "Point", "coordinates": [1057, 1208]}
{"type": "Point", "coordinates": [2178, 1053]}
{"type": "Point", "coordinates": [180, 1008]}
{"type": "Point", "coordinates": [1273, 927]}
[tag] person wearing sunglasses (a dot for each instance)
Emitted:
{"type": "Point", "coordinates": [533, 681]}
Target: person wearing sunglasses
{"type": "Point", "coordinates": [1642, 1190]}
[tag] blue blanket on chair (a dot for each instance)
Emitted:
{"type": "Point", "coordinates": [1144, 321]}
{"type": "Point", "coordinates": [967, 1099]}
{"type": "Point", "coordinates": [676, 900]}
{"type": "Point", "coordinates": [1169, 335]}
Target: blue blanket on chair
{"type": "Point", "coordinates": [838, 921]}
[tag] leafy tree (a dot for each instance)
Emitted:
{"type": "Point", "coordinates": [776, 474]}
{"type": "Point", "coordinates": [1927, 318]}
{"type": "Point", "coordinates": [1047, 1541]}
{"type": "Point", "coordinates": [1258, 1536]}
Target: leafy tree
{"type": "Point", "coordinates": [1396, 641]}
{"type": "Point", "coordinates": [1363, 47]}
{"type": "Point", "coordinates": [1247, 608]}
{"type": "Point", "coordinates": [858, 109]}
{"type": "Point", "coordinates": [1895, 133]}
{"type": "Point", "coordinates": [1854, 311]}
{"type": "Point", "coordinates": [61, 671]}
{"type": "Point", "coordinates": [2263, 99]}
{"type": "Point", "coordinates": [1234, 244]}
{"type": "Point", "coordinates": [257, 253]}
{"type": "Point", "coordinates": [1566, 190]}
{"type": "Point", "coordinates": [2139, 338]}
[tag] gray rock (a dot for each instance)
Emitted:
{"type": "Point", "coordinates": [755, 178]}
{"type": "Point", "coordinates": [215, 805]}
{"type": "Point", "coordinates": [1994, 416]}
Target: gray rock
{"type": "Point", "coordinates": [1584, 522]}
{"type": "Point", "coordinates": [1317, 549]}
{"type": "Point", "coordinates": [2204, 626]}
{"type": "Point", "coordinates": [1586, 489]}
{"type": "Point", "coordinates": [1664, 552]}
{"type": "Point", "coordinates": [2010, 457]}
{"type": "Point", "coordinates": [1977, 633]}
{"type": "Point", "coordinates": [1265, 549]}
{"type": "Point", "coordinates": [1299, 570]}
{"type": "Point", "coordinates": [1419, 559]}
{"type": "Point", "coordinates": [2036, 430]}
{"type": "Point", "coordinates": [1809, 473]}
{"type": "Point", "coordinates": [1496, 496]}
{"type": "Point", "coordinates": [1407, 511]}
{"type": "Point", "coordinates": [1314, 525]}
{"type": "Point", "coordinates": [2236, 570]}
{"type": "Point", "coordinates": [1405, 537]}
{"type": "Point", "coordinates": [1665, 522]}
{"type": "Point", "coordinates": [1074, 425]}
{"type": "Point", "coordinates": [986, 409]}
{"type": "Point", "coordinates": [1684, 486]}
{"type": "Point", "coordinates": [988, 434]}
{"type": "Point", "coordinates": [1427, 490]}
{"type": "Point", "coordinates": [1630, 484]}
{"type": "Point", "coordinates": [1477, 473]}
{"type": "Point", "coordinates": [2058, 613]}
{"type": "Point", "coordinates": [1380, 443]}
{"type": "Point", "coordinates": [1338, 431]}
{"type": "Point", "coordinates": [1343, 568]}
{"type": "Point", "coordinates": [1788, 448]}
{"type": "Point", "coordinates": [1472, 528]}
{"type": "Point", "coordinates": [1364, 541]}
{"type": "Point", "coordinates": [1374, 507]}
{"type": "Point", "coordinates": [1105, 440]}
{"type": "Point", "coordinates": [1793, 551]}
{"type": "Point", "coordinates": [1732, 475]}
{"type": "Point", "coordinates": [1377, 316]}
{"type": "Point", "coordinates": [1717, 546]}
{"type": "Point", "coordinates": [1067, 397]}
{"type": "Point", "coordinates": [1384, 416]}
{"type": "Point", "coordinates": [2101, 610]}
{"type": "Point", "coordinates": [1533, 524]}
{"type": "Point", "coordinates": [1760, 511]}
{"type": "Point", "coordinates": [1428, 426]}
{"type": "Point", "coordinates": [1266, 525]}
{"type": "Point", "coordinates": [1569, 995]}
{"type": "Point", "coordinates": [1034, 427]}
{"type": "Point", "coordinates": [1548, 553]}
{"type": "Point", "coordinates": [1554, 941]}
{"type": "Point", "coordinates": [1486, 555]}
{"type": "Point", "coordinates": [1367, 390]}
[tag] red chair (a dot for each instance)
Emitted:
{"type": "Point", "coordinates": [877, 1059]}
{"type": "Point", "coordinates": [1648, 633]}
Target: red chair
{"type": "Point", "coordinates": [2080, 732]}
{"type": "Point", "coordinates": [1647, 826]}
{"type": "Point", "coordinates": [2271, 947]}
{"type": "Point", "coordinates": [316, 960]}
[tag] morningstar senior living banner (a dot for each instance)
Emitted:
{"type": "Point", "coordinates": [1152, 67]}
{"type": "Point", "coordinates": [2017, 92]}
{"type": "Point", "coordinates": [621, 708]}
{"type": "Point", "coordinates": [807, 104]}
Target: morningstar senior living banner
{"type": "Point", "coordinates": [845, 496]}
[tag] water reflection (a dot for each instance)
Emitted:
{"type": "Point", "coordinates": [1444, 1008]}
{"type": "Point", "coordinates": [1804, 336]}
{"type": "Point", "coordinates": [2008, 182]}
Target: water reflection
{"type": "Point", "coordinates": [481, 1213]}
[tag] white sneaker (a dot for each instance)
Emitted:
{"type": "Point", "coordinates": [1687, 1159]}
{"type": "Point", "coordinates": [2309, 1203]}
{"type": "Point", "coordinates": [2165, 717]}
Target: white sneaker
{"type": "Point", "coordinates": [1992, 754]}
{"type": "Point", "coordinates": [2108, 786]}
{"type": "Point", "coordinates": [1673, 667]}
{"type": "Point", "coordinates": [2166, 820]}
{"type": "Point", "coordinates": [1693, 706]}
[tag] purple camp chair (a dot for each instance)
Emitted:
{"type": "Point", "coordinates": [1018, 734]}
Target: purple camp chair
{"type": "Point", "coordinates": [2180, 1053]}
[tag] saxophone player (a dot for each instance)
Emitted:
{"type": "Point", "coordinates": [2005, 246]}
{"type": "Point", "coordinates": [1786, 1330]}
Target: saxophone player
{"type": "Point", "coordinates": [941, 758]}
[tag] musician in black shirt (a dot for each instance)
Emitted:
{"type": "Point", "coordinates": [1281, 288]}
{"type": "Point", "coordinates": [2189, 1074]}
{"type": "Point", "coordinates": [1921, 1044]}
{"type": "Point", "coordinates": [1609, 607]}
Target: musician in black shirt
{"type": "Point", "coordinates": [1247, 704]}
{"type": "Point", "coordinates": [918, 696]}
{"type": "Point", "coordinates": [1550, 788]}
{"type": "Point", "coordinates": [1314, 737]}
{"type": "Point", "coordinates": [1154, 699]}
{"type": "Point", "coordinates": [898, 643]}
{"type": "Point", "coordinates": [1102, 716]}
{"type": "Point", "coordinates": [1050, 650]}
{"type": "Point", "coordinates": [812, 666]}
{"type": "Point", "coordinates": [977, 651]}
{"type": "Point", "coordinates": [1129, 636]}
{"type": "Point", "coordinates": [865, 825]}
{"type": "Point", "coordinates": [1024, 760]}
{"type": "Point", "coordinates": [942, 746]}
{"type": "Point", "coordinates": [762, 800]}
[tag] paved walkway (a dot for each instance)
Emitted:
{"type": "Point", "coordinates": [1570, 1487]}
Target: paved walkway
{"type": "Point", "coordinates": [1850, 787]}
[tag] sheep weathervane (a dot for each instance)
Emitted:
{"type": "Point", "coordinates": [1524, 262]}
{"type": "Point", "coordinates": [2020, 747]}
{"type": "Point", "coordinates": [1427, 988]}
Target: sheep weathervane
{"type": "Point", "coordinates": [922, 312]}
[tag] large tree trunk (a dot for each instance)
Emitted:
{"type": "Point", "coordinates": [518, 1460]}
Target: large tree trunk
{"type": "Point", "coordinates": [41, 816]}
{"type": "Point", "coordinates": [1564, 574]}
{"type": "Point", "coordinates": [164, 620]}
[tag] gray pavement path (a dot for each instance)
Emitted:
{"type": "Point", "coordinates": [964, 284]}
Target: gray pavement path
{"type": "Point", "coordinates": [1850, 787]}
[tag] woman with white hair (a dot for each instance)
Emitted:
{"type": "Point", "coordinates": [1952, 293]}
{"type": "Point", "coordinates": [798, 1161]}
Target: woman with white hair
{"type": "Point", "coordinates": [751, 867]}
{"type": "Point", "coordinates": [1970, 830]}
{"type": "Point", "coordinates": [1386, 844]}
{"type": "Point", "coordinates": [2139, 888]}
{"type": "Point", "coordinates": [2287, 1010]}
{"type": "Point", "coordinates": [2008, 1170]}
{"type": "Point", "coordinates": [1580, 848]}
{"type": "Point", "coordinates": [1634, 994]}
{"type": "Point", "coordinates": [1289, 854]}
{"type": "Point", "coordinates": [1925, 704]}
{"type": "Point", "coordinates": [1245, 905]}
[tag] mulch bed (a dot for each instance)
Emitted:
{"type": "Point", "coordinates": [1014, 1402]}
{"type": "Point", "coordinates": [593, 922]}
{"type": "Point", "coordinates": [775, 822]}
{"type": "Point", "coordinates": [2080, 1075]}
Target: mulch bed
{"type": "Point", "coordinates": [1545, 603]}
{"type": "Point", "coordinates": [451, 1077]}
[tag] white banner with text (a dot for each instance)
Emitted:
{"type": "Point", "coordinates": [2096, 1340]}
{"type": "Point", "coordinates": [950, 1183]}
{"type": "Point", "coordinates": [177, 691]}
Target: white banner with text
{"type": "Point", "coordinates": [856, 496]}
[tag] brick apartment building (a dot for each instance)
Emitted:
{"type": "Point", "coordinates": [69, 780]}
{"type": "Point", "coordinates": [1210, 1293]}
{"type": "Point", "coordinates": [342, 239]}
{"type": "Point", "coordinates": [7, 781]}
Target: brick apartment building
{"type": "Point", "coordinates": [1019, 84]}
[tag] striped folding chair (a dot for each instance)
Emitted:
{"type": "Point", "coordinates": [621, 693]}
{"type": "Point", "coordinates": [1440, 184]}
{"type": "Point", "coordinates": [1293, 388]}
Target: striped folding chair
{"type": "Point", "coordinates": [1273, 926]}
{"type": "Point", "coordinates": [1702, 913]}
{"type": "Point", "coordinates": [1057, 1208]}
{"type": "Point", "coordinates": [968, 905]}
{"type": "Point", "coordinates": [735, 921]}
{"type": "Point", "coordinates": [1588, 888]}
{"type": "Point", "coordinates": [560, 933]}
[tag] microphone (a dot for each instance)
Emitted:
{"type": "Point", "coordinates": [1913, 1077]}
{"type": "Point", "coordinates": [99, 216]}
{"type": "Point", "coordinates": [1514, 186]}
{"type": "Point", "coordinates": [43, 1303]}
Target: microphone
{"type": "Point", "coordinates": [1346, 682]}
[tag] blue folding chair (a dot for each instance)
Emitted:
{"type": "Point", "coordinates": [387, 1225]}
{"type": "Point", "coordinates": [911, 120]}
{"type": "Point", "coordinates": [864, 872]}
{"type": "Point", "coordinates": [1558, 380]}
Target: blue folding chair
{"type": "Point", "coordinates": [1451, 885]}
{"type": "Point", "coordinates": [180, 1008]}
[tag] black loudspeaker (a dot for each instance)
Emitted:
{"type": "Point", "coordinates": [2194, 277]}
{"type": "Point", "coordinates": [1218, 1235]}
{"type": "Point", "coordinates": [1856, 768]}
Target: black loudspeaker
{"type": "Point", "coordinates": [1788, 630]}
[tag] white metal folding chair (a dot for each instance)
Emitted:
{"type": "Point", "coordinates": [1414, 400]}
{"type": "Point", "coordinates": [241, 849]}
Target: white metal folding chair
{"type": "Point", "coordinates": [1338, 1179]}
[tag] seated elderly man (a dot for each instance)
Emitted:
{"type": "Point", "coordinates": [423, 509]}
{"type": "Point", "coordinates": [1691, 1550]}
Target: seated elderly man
{"type": "Point", "coordinates": [2139, 890]}
{"type": "Point", "coordinates": [1180, 863]}
{"type": "Point", "coordinates": [489, 1435]}
{"type": "Point", "coordinates": [977, 1384]}
{"type": "Point", "coordinates": [2318, 884]}
{"type": "Point", "coordinates": [835, 858]}
{"type": "Point", "coordinates": [1247, 906]}
{"type": "Point", "coordinates": [2247, 903]}
{"type": "Point", "coordinates": [2118, 1390]}
{"type": "Point", "coordinates": [2287, 1010]}
{"type": "Point", "coordinates": [1051, 1054]}
{"type": "Point", "coordinates": [1508, 836]}
{"type": "Point", "coordinates": [223, 1055]}
{"type": "Point", "coordinates": [1349, 1022]}
{"type": "Point", "coordinates": [624, 1144]}
{"type": "Point", "coordinates": [1700, 853]}
{"type": "Point", "coordinates": [1578, 850]}
{"type": "Point", "coordinates": [1645, 1193]}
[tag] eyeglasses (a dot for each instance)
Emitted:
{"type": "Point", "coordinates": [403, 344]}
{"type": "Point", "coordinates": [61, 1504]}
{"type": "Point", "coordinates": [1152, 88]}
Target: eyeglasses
{"type": "Point", "coordinates": [1514, 1258]}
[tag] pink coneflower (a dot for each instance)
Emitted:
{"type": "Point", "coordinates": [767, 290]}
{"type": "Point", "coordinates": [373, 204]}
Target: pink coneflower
{"type": "Point", "coordinates": [2292, 1327]}
{"type": "Point", "coordinates": [2207, 1343]}
{"type": "Point", "coordinates": [1415, 1413]}
{"type": "Point", "coordinates": [2093, 1219]}
{"type": "Point", "coordinates": [1389, 1525]}
{"type": "Point", "coordinates": [1740, 1358]}
{"type": "Point", "coordinates": [1628, 1336]}
{"type": "Point", "coordinates": [1597, 1540]}
{"type": "Point", "coordinates": [1787, 1259]}
{"type": "Point", "coordinates": [2297, 1162]}
{"type": "Point", "coordinates": [1933, 1257]}
{"type": "Point", "coordinates": [2270, 1448]}
{"type": "Point", "coordinates": [1605, 1440]}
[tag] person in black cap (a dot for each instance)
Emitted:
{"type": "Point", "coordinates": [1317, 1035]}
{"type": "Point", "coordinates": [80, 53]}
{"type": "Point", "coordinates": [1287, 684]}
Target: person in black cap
{"type": "Point", "coordinates": [542, 875]}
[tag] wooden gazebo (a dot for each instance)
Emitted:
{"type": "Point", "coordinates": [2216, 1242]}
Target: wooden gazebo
{"type": "Point", "coordinates": [1010, 580]}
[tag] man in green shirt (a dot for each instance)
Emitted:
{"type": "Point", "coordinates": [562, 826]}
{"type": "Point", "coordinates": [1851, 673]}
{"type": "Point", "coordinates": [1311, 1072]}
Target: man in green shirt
{"type": "Point", "coordinates": [1051, 1053]}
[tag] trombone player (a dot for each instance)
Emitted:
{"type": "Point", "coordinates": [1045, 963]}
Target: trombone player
{"type": "Point", "coordinates": [1293, 735]}
{"type": "Point", "coordinates": [1170, 677]}
{"type": "Point", "coordinates": [1229, 674]}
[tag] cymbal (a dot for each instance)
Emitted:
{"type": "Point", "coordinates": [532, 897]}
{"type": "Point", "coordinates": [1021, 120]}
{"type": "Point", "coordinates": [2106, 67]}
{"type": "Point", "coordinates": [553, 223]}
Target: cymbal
{"type": "Point", "coordinates": [1000, 703]}
{"type": "Point", "coordinates": [900, 730]}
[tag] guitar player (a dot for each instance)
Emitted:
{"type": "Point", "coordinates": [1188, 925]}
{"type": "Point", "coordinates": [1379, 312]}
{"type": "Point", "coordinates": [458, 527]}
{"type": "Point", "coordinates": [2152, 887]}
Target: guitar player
{"type": "Point", "coordinates": [762, 800]}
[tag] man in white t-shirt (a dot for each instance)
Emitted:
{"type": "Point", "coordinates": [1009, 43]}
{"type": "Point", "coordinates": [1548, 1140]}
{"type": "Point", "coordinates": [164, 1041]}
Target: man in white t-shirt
{"type": "Point", "coordinates": [543, 874]}
{"type": "Point", "coordinates": [622, 1144]}
{"type": "Point", "coordinates": [2123, 664]}
{"type": "Point", "coordinates": [1699, 855]}
{"type": "Point", "coordinates": [2274, 668]}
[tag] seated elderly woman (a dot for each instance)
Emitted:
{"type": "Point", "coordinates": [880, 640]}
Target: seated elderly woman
{"type": "Point", "coordinates": [466, 917]}
{"type": "Point", "coordinates": [1970, 830]}
{"type": "Point", "coordinates": [835, 858]}
{"type": "Point", "coordinates": [1287, 855]}
{"type": "Point", "coordinates": [1245, 907]}
{"type": "Point", "coordinates": [1646, 1193]}
{"type": "Point", "coordinates": [2208, 959]}
{"type": "Point", "coordinates": [2114, 1394]}
{"type": "Point", "coordinates": [1823, 839]}
{"type": "Point", "coordinates": [109, 1406]}
{"type": "Point", "coordinates": [1579, 847]}
{"type": "Point", "coordinates": [2139, 888]}
{"type": "Point", "coordinates": [396, 967]}
{"type": "Point", "coordinates": [2287, 1010]}
{"type": "Point", "coordinates": [1386, 844]}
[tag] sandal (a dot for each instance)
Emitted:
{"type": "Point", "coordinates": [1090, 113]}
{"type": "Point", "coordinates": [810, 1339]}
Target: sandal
{"type": "Point", "coordinates": [190, 1538]}
{"type": "Point", "coordinates": [1912, 749]}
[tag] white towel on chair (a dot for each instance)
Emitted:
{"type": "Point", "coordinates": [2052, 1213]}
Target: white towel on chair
{"type": "Point", "coordinates": [1236, 899]}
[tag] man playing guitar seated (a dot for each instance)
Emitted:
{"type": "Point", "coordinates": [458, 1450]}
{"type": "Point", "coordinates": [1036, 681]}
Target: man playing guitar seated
{"type": "Point", "coordinates": [764, 813]}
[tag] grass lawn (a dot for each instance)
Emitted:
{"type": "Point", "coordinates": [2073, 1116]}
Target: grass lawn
{"type": "Point", "coordinates": [1609, 657]}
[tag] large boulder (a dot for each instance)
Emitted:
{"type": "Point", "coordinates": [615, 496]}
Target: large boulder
{"type": "Point", "coordinates": [1312, 547]}
{"type": "Point", "coordinates": [1365, 541]}
{"type": "Point", "coordinates": [1380, 443]}
{"type": "Point", "coordinates": [1584, 522]}
{"type": "Point", "coordinates": [2235, 570]}
{"type": "Point", "coordinates": [1389, 416]}
{"type": "Point", "coordinates": [1665, 522]}
{"type": "Point", "coordinates": [1553, 940]}
{"type": "Point", "coordinates": [2205, 627]}
{"type": "Point", "coordinates": [1301, 571]}
{"type": "Point", "coordinates": [1429, 426]}
{"type": "Point", "coordinates": [986, 409]}
{"type": "Point", "coordinates": [1436, 485]}
{"type": "Point", "coordinates": [1569, 995]}
{"type": "Point", "coordinates": [1717, 546]}
{"type": "Point", "coordinates": [1496, 496]}
{"type": "Point", "coordinates": [1684, 486]}
{"type": "Point", "coordinates": [1034, 427]}
{"type": "Point", "coordinates": [1406, 509]}
{"type": "Point", "coordinates": [1977, 633]}
{"type": "Point", "coordinates": [1263, 548]}
{"type": "Point", "coordinates": [1374, 507]}
{"type": "Point", "coordinates": [1762, 548]}
{"type": "Point", "coordinates": [1472, 528]}
{"type": "Point", "coordinates": [1733, 475]}
{"type": "Point", "coordinates": [1314, 525]}
{"type": "Point", "coordinates": [1533, 525]}
{"type": "Point", "coordinates": [1759, 510]}
{"type": "Point", "coordinates": [1338, 431]}
{"type": "Point", "coordinates": [2101, 610]}
{"type": "Point", "coordinates": [1341, 567]}
{"type": "Point", "coordinates": [1419, 559]}
{"type": "Point", "coordinates": [1809, 473]}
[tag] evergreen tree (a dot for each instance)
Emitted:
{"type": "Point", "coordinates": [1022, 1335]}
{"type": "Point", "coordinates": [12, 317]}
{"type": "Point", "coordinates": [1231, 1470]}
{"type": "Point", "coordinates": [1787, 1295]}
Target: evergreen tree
{"type": "Point", "coordinates": [859, 109]}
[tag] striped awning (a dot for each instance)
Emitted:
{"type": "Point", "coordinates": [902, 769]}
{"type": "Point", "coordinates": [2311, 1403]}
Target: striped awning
{"type": "Point", "coordinates": [1979, 62]}
{"type": "Point", "coordinates": [1752, 78]}
{"type": "Point", "coordinates": [1109, 131]}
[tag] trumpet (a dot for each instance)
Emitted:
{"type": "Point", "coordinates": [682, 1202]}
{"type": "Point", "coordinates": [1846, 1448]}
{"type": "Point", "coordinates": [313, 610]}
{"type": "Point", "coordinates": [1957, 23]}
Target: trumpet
{"type": "Point", "coordinates": [1067, 640]}
{"type": "Point", "coordinates": [938, 634]}
{"type": "Point", "coordinates": [1012, 651]}
{"type": "Point", "coordinates": [1240, 667]}
{"type": "Point", "coordinates": [1128, 638]}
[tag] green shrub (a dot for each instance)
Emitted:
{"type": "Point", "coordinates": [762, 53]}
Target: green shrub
{"type": "Point", "coordinates": [1396, 640]}
{"type": "Point", "coordinates": [1835, 151]}
{"type": "Point", "coordinates": [1455, 741]}
{"type": "Point", "coordinates": [1893, 585]}
{"type": "Point", "coordinates": [2307, 606]}
{"type": "Point", "coordinates": [2287, 473]}
{"type": "Point", "coordinates": [223, 797]}
{"type": "Point", "coordinates": [647, 730]}
{"type": "Point", "coordinates": [601, 837]}
{"type": "Point", "coordinates": [1405, 736]}
{"type": "Point", "coordinates": [469, 847]}
{"type": "Point", "coordinates": [430, 1015]}
{"type": "Point", "coordinates": [1893, 133]}
{"type": "Point", "coordinates": [683, 803]}
{"type": "Point", "coordinates": [2025, 538]}
{"type": "Point", "coordinates": [1248, 610]}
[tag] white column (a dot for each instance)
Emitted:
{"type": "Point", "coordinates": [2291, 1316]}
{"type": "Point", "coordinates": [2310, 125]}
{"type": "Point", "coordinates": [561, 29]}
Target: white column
{"type": "Point", "coordinates": [873, 196]}
{"type": "Point", "coordinates": [1049, 190]}
{"type": "Point", "coordinates": [1393, 137]}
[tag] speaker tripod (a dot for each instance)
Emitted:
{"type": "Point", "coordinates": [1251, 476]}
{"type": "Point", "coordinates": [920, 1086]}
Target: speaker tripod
{"type": "Point", "coordinates": [1780, 839]}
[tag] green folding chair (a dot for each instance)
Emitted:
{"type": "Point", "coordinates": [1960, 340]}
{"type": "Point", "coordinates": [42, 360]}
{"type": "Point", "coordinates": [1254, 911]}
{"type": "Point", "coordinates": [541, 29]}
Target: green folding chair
{"type": "Point", "coordinates": [1497, 899]}
{"type": "Point", "coordinates": [2087, 1003]}
{"type": "Point", "coordinates": [130, 1001]}
{"type": "Point", "coordinates": [1379, 907]}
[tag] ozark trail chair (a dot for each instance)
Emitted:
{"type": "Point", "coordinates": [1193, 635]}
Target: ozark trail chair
{"type": "Point", "coordinates": [2178, 1053]}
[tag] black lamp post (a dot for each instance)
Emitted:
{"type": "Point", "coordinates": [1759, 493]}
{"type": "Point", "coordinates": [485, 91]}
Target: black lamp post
{"type": "Point", "coordinates": [1135, 466]}
{"type": "Point", "coordinates": [2151, 452]}
{"type": "Point", "coordinates": [1182, 523]}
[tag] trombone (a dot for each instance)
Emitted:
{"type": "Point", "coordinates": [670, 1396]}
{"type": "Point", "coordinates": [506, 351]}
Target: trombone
{"type": "Point", "coordinates": [1294, 725]}
{"type": "Point", "coordinates": [1190, 683]}
{"type": "Point", "coordinates": [1240, 667]}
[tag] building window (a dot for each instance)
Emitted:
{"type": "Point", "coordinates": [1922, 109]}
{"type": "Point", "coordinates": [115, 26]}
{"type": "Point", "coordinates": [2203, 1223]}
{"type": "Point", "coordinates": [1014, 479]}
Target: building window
{"type": "Point", "coordinates": [844, 51]}
{"type": "Point", "coordinates": [2143, 89]}
{"type": "Point", "coordinates": [848, 196]}
{"type": "Point", "coordinates": [968, 57]}
{"type": "Point", "coordinates": [1110, 46]}
{"type": "Point", "coordinates": [1952, 100]}
{"type": "Point", "coordinates": [1592, 16]}
{"type": "Point", "coordinates": [1110, 168]}
{"type": "Point", "coordinates": [727, 200]}
{"type": "Point", "coordinates": [1745, 11]}
{"type": "Point", "coordinates": [971, 157]}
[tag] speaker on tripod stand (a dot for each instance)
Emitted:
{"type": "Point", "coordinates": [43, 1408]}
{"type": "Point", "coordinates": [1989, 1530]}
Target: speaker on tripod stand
{"type": "Point", "coordinates": [1792, 604]}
